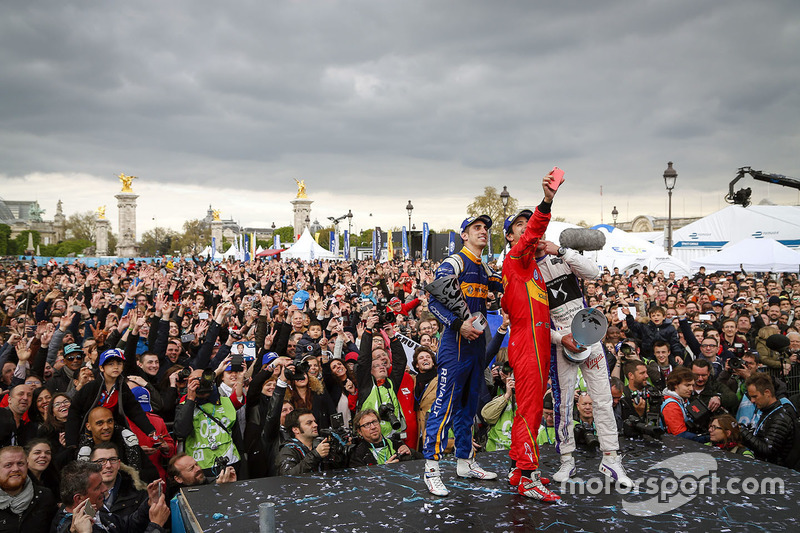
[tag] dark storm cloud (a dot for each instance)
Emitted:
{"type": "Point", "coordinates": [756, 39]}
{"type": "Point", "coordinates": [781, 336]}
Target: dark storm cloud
{"type": "Point", "coordinates": [192, 91]}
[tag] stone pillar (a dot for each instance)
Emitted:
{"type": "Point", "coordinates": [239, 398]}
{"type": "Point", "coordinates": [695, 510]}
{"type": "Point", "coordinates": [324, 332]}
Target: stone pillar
{"type": "Point", "coordinates": [126, 246]}
{"type": "Point", "coordinates": [302, 209]}
{"type": "Point", "coordinates": [216, 234]}
{"type": "Point", "coordinates": [101, 229]}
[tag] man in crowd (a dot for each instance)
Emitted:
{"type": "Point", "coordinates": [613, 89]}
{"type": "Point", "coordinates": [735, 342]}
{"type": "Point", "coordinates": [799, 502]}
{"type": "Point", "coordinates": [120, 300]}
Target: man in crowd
{"type": "Point", "coordinates": [23, 505]}
{"type": "Point", "coordinates": [299, 455]}
{"type": "Point", "coordinates": [775, 436]}
{"type": "Point", "coordinates": [82, 486]}
{"type": "Point", "coordinates": [374, 448]}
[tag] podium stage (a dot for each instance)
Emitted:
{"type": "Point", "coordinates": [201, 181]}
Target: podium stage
{"type": "Point", "coordinates": [394, 498]}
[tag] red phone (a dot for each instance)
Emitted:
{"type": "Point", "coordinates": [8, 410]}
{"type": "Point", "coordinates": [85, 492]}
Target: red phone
{"type": "Point", "coordinates": [557, 178]}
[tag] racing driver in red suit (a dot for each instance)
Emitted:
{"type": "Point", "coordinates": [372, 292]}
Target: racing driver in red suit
{"type": "Point", "coordinates": [525, 301]}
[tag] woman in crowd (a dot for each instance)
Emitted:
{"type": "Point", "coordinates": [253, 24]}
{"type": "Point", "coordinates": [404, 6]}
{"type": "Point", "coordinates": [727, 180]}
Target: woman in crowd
{"type": "Point", "coordinates": [676, 398]}
{"type": "Point", "coordinates": [40, 464]}
{"type": "Point", "coordinates": [724, 433]}
{"type": "Point", "coordinates": [54, 427]}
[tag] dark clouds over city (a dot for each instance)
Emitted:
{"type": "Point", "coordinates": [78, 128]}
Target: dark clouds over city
{"type": "Point", "coordinates": [396, 100]}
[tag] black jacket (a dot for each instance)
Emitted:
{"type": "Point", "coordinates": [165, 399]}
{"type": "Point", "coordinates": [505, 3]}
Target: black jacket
{"type": "Point", "coordinates": [88, 397]}
{"type": "Point", "coordinates": [127, 498]}
{"type": "Point", "coordinates": [263, 434]}
{"type": "Point", "coordinates": [10, 432]}
{"type": "Point", "coordinates": [649, 333]}
{"type": "Point", "coordinates": [37, 516]}
{"type": "Point", "coordinates": [775, 437]}
{"type": "Point", "coordinates": [294, 459]}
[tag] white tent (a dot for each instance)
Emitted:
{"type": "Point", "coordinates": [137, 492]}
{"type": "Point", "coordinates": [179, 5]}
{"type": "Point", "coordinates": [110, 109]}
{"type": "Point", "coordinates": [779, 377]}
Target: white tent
{"type": "Point", "coordinates": [735, 223]}
{"type": "Point", "coordinates": [206, 252]}
{"type": "Point", "coordinates": [231, 253]}
{"type": "Point", "coordinates": [754, 255]}
{"type": "Point", "coordinates": [627, 252]}
{"type": "Point", "coordinates": [307, 249]}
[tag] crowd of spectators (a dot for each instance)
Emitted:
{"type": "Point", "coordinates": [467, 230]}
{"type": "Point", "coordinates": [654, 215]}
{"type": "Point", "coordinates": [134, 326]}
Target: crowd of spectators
{"type": "Point", "coordinates": [123, 383]}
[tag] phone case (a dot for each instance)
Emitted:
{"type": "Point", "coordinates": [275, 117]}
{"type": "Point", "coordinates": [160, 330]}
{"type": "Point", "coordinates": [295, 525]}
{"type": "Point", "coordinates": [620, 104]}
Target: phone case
{"type": "Point", "coordinates": [558, 178]}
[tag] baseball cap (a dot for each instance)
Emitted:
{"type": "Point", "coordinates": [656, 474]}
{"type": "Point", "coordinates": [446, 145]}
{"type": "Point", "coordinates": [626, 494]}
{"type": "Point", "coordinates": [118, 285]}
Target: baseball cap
{"type": "Point", "coordinates": [114, 353]}
{"type": "Point", "coordinates": [300, 299]}
{"type": "Point", "coordinates": [352, 356]}
{"type": "Point", "coordinates": [395, 300]}
{"type": "Point", "coordinates": [143, 397]}
{"type": "Point", "coordinates": [268, 358]}
{"type": "Point", "coordinates": [527, 213]}
{"type": "Point", "coordinates": [774, 300]}
{"type": "Point", "coordinates": [72, 348]}
{"type": "Point", "coordinates": [486, 219]}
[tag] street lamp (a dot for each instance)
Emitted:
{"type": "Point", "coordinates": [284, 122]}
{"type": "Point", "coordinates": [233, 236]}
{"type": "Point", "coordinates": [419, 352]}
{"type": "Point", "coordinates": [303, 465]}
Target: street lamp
{"type": "Point", "coordinates": [409, 208]}
{"type": "Point", "coordinates": [349, 216]}
{"type": "Point", "coordinates": [670, 177]}
{"type": "Point", "coordinates": [504, 196]}
{"type": "Point", "coordinates": [273, 226]}
{"type": "Point", "coordinates": [308, 222]}
{"type": "Point", "coordinates": [614, 215]}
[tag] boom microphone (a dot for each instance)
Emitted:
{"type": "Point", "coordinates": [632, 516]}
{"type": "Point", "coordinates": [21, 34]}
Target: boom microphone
{"type": "Point", "coordinates": [777, 342]}
{"type": "Point", "coordinates": [582, 240]}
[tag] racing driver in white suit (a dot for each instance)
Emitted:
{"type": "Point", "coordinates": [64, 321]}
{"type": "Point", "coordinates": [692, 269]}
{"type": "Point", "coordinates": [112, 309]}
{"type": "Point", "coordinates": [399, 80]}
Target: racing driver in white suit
{"type": "Point", "coordinates": [561, 269]}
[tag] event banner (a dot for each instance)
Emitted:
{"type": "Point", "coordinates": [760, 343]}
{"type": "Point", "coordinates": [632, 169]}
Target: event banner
{"type": "Point", "coordinates": [213, 247]}
{"type": "Point", "coordinates": [425, 231]}
{"type": "Point", "coordinates": [409, 346]}
{"type": "Point", "coordinates": [347, 245]}
{"type": "Point", "coordinates": [406, 254]}
{"type": "Point", "coordinates": [331, 243]}
{"type": "Point", "coordinates": [336, 242]}
{"type": "Point", "coordinates": [389, 246]}
{"type": "Point", "coordinates": [451, 243]}
{"type": "Point", "coordinates": [246, 247]}
{"type": "Point", "coordinates": [489, 251]}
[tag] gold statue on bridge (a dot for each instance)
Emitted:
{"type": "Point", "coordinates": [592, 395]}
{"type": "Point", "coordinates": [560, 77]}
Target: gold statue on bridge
{"type": "Point", "coordinates": [215, 215]}
{"type": "Point", "coordinates": [301, 188]}
{"type": "Point", "coordinates": [101, 212]}
{"type": "Point", "coordinates": [126, 182]}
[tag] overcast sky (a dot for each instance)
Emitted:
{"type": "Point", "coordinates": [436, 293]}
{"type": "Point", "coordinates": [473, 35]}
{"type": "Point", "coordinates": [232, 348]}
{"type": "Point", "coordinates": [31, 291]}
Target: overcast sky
{"type": "Point", "coordinates": [378, 102]}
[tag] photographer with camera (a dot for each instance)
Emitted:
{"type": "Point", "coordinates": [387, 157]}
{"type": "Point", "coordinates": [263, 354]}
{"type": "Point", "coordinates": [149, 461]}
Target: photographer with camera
{"type": "Point", "coordinates": [377, 389]}
{"type": "Point", "coordinates": [374, 448]}
{"type": "Point", "coordinates": [206, 420]}
{"type": "Point", "coordinates": [305, 452]}
{"type": "Point", "coordinates": [717, 397]}
{"type": "Point", "coordinates": [499, 412]}
{"type": "Point", "coordinates": [675, 417]}
{"type": "Point", "coordinates": [584, 429]}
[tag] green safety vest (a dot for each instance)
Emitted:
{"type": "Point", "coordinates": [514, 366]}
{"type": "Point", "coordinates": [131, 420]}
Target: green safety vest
{"type": "Point", "coordinates": [500, 433]}
{"type": "Point", "coordinates": [208, 440]}
{"type": "Point", "coordinates": [547, 435]}
{"type": "Point", "coordinates": [380, 395]}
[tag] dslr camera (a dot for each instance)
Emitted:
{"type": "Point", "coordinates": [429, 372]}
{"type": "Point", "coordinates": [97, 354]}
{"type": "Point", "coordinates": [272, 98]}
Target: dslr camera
{"type": "Point", "coordinates": [386, 412]}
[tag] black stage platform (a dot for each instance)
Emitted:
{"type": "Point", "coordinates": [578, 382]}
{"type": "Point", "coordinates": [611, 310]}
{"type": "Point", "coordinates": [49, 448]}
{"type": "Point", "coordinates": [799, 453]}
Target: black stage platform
{"type": "Point", "coordinates": [394, 498]}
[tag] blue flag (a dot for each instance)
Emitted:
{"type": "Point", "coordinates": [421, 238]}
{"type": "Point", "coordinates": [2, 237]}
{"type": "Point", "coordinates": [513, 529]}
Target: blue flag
{"type": "Point", "coordinates": [405, 244]}
{"type": "Point", "coordinates": [347, 245]}
{"type": "Point", "coordinates": [425, 232]}
{"type": "Point", "coordinates": [247, 247]}
{"type": "Point", "coordinates": [451, 243]}
{"type": "Point", "coordinates": [213, 247]}
{"type": "Point", "coordinates": [331, 242]}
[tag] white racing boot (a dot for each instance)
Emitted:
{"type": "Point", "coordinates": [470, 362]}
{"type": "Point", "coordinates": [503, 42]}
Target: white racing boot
{"type": "Point", "coordinates": [433, 479]}
{"type": "Point", "coordinates": [567, 469]}
{"type": "Point", "coordinates": [471, 469]}
{"type": "Point", "coordinates": [611, 466]}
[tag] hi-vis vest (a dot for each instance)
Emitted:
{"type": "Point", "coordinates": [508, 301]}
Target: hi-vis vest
{"type": "Point", "coordinates": [380, 395]}
{"type": "Point", "coordinates": [208, 440]}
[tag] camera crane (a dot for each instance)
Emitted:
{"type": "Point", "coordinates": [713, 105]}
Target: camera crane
{"type": "Point", "coordinates": [742, 196]}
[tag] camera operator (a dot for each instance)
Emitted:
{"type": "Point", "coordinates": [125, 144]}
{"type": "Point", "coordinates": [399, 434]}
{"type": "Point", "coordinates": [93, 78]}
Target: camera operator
{"type": "Point", "coordinates": [183, 471]}
{"type": "Point", "coordinates": [207, 422]}
{"type": "Point", "coordinates": [300, 454]}
{"type": "Point", "coordinates": [711, 391]}
{"type": "Point", "coordinates": [377, 389]}
{"type": "Point", "coordinates": [633, 403]}
{"type": "Point", "coordinates": [585, 430]}
{"type": "Point", "coordinates": [776, 436]}
{"type": "Point", "coordinates": [374, 448]}
{"type": "Point", "coordinates": [676, 419]}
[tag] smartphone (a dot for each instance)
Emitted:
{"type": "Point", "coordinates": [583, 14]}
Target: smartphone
{"type": "Point", "coordinates": [76, 308]}
{"type": "Point", "coordinates": [756, 301]}
{"type": "Point", "coordinates": [203, 316]}
{"type": "Point", "coordinates": [558, 178]}
{"type": "Point", "coordinates": [337, 421]}
{"type": "Point", "coordinates": [160, 491]}
{"type": "Point", "coordinates": [89, 509]}
{"type": "Point", "coordinates": [237, 363]}
{"type": "Point", "coordinates": [705, 317]}
{"type": "Point", "coordinates": [189, 337]}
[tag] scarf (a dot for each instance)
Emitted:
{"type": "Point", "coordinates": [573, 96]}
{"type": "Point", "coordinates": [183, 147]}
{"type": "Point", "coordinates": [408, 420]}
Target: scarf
{"type": "Point", "coordinates": [20, 502]}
